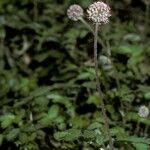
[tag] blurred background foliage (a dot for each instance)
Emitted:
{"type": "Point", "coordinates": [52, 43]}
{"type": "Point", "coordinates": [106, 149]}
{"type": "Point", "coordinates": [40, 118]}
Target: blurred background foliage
{"type": "Point", "coordinates": [48, 98]}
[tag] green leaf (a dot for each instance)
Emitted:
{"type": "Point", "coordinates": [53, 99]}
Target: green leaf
{"type": "Point", "coordinates": [1, 139]}
{"type": "Point", "coordinates": [126, 93]}
{"type": "Point", "coordinates": [40, 91]}
{"type": "Point", "coordinates": [95, 125]}
{"type": "Point", "coordinates": [57, 98]}
{"type": "Point", "coordinates": [68, 135]}
{"type": "Point", "coordinates": [23, 138]}
{"type": "Point", "coordinates": [53, 111]}
{"type": "Point", "coordinates": [141, 146]}
{"type": "Point", "coordinates": [89, 84]}
{"type": "Point", "coordinates": [2, 33]}
{"type": "Point", "coordinates": [94, 99]}
{"type": "Point", "coordinates": [130, 49]}
{"type": "Point", "coordinates": [50, 116]}
{"type": "Point", "coordinates": [79, 121]}
{"type": "Point", "coordinates": [145, 91]}
{"type": "Point", "coordinates": [99, 139]}
{"type": "Point", "coordinates": [132, 37]}
{"type": "Point", "coordinates": [134, 139]}
{"type": "Point", "coordinates": [7, 120]}
{"type": "Point", "coordinates": [135, 117]}
{"type": "Point", "coordinates": [41, 101]}
{"type": "Point", "coordinates": [85, 76]}
{"type": "Point", "coordinates": [89, 134]}
{"type": "Point", "coordinates": [118, 131]}
{"type": "Point", "coordinates": [147, 96]}
{"type": "Point", "coordinates": [12, 134]}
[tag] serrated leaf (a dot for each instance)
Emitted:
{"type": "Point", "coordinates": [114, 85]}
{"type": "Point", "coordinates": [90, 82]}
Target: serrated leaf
{"type": "Point", "coordinates": [79, 121]}
{"type": "Point", "coordinates": [89, 134]}
{"type": "Point", "coordinates": [53, 111]}
{"type": "Point", "coordinates": [99, 139]}
{"type": "Point", "coordinates": [12, 134]}
{"type": "Point", "coordinates": [130, 49]}
{"type": "Point", "coordinates": [57, 98]}
{"type": "Point", "coordinates": [95, 125]}
{"type": "Point", "coordinates": [42, 101]}
{"type": "Point", "coordinates": [40, 91]}
{"type": "Point", "coordinates": [118, 131]}
{"type": "Point", "coordinates": [23, 138]}
{"type": "Point", "coordinates": [68, 135]}
{"type": "Point", "coordinates": [89, 84]}
{"type": "Point", "coordinates": [7, 120]}
{"type": "Point", "coordinates": [94, 99]}
{"type": "Point", "coordinates": [134, 116]}
{"type": "Point", "coordinates": [141, 146]}
{"type": "Point", "coordinates": [132, 37]}
{"type": "Point", "coordinates": [85, 76]}
{"type": "Point", "coordinates": [134, 139]}
{"type": "Point", "coordinates": [50, 116]}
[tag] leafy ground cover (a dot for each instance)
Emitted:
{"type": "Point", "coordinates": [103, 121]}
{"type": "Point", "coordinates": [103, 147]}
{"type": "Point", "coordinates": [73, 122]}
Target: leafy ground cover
{"type": "Point", "coordinates": [48, 98]}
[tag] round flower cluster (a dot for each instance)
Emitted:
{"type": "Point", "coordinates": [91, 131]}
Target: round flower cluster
{"type": "Point", "coordinates": [106, 64]}
{"type": "Point", "coordinates": [143, 111]}
{"type": "Point", "coordinates": [99, 12]}
{"type": "Point", "coordinates": [75, 12]}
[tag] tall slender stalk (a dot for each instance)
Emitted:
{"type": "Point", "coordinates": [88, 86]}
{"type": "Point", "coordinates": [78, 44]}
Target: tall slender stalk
{"type": "Point", "coordinates": [87, 25]}
{"type": "Point", "coordinates": [99, 88]}
{"type": "Point", "coordinates": [35, 9]}
{"type": "Point", "coordinates": [91, 30]}
{"type": "Point", "coordinates": [108, 53]}
{"type": "Point", "coordinates": [147, 3]}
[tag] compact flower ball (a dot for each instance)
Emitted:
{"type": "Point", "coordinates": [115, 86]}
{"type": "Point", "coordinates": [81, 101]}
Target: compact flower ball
{"type": "Point", "coordinates": [104, 60]}
{"type": "Point", "coordinates": [75, 12]}
{"type": "Point", "coordinates": [143, 111]}
{"type": "Point", "coordinates": [99, 12]}
{"type": "Point", "coordinates": [106, 64]}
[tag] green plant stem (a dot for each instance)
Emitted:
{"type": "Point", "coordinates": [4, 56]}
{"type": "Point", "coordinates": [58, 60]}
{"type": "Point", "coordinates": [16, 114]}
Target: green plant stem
{"type": "Point", "coordinates": [35, 9]}
{"type": "Point", "coordinates": [99, 88]}
{"type": "Point", "coordinates": [116, 77]}
{"type": "Point", "coordinates": [137, 128]}
{"type": "Point", "coordinates": [146, 130]}
{"type": "Point", "coordinates": [147, 14]}
{"type": "Point", "coordinates": [87, 25]}
{"type": "Point", "coordinates": [116, 72]}
{"type": "Point", "coordinates": [91, 30]}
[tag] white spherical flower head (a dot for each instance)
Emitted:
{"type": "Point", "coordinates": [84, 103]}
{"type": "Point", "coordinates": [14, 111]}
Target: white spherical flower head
{"type": "Point", "coordinates": [99, 12]}
{"type": "Point", "coordinates": [75, 12]}
{"type": "Point", "coordinates": [143, 111]}
{"type": "Point", "coordinates": [104, 60]}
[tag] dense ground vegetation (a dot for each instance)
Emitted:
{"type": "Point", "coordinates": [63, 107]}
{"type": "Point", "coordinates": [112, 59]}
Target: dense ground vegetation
{"type": "Point", "coordinates": [48, 98]}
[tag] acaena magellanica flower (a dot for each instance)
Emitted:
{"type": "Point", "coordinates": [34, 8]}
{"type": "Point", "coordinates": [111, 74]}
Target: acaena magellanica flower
{"type": "Point", "coordinates": [75, 12]}
{"type": "Point", "coordinates": [99, 12]}
{"type": "Point", "coordinates": [143, 111]}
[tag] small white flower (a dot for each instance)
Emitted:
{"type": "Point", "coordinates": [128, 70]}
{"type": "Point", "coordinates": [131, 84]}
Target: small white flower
{"type": "Point", "coordinates": [143, 111]}
{"type": "Point", "coordinates": [99, 12]}
{"type": "Point", "coordinates": [75, 12]}
{"type": "Point", "coordinates": [104, 60]}
{"type": "Point", "coordinates": [106, 64]}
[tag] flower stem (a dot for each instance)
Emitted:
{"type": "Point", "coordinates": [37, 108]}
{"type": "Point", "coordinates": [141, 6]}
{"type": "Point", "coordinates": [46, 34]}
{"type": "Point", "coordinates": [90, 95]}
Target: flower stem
{"type": "Point", "coordinates": [147, 13]}
{"type": "Point", "coordinates": [91, 30]}
{"type": "Point", "coordinates": [35, 10]}
{"type": "Point", "coordinates": [99, 88]}
{"type": "Point", "coordinates": [137, 128]}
